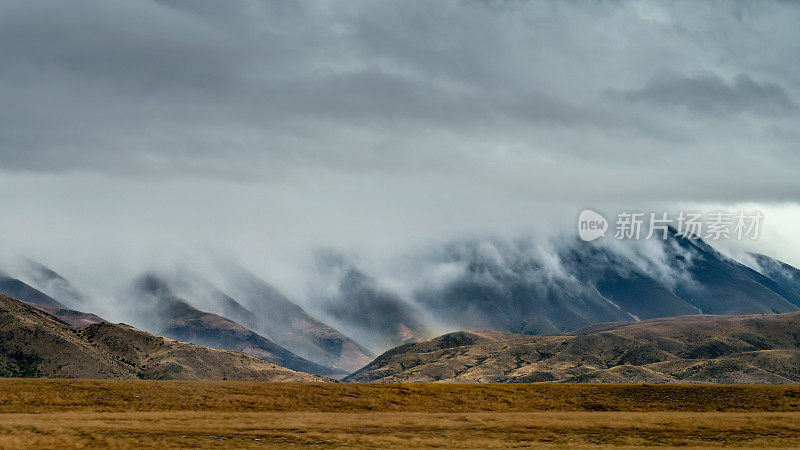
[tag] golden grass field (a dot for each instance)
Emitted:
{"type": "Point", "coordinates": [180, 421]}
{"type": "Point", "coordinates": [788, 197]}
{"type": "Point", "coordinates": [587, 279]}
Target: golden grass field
{"type": "Point", "coordinates": [162, 414]}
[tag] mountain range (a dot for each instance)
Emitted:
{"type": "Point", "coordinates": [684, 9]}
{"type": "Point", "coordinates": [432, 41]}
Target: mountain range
{"type": "Point", "coordinates": [508, 288]}
{"type": "Point", "coordinates": [536, 286]}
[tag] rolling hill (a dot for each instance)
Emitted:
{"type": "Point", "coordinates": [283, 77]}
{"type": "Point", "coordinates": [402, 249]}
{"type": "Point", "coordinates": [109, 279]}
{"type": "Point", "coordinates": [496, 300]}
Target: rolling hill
{"type": "Point", "coordinates": [35, 344]}
{"type": "Point", "coordinates": [760, 349]}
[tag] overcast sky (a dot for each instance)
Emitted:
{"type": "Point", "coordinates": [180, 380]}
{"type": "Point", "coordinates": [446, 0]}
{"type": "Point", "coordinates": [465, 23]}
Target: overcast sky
{"type": "Point", "coordinates": [264, 129]}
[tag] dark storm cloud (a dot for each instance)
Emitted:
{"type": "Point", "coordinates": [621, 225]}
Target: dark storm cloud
{"type": "Point", "coordinates": [262, 89]}
{"type": "Point", "coordinates": [711, 94]}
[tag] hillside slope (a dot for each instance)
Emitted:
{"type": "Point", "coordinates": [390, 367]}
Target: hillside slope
{"type": "Point", "coordinates": [35, 344]}
{"type": "Point", "coordinates": [163, 312]}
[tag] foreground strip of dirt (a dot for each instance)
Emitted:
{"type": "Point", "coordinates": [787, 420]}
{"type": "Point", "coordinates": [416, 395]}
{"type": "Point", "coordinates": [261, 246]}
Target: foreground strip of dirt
{"type": "Point", "coordinates": [241, 430]}
{"type": "Point", "coordinates": [38, 395]}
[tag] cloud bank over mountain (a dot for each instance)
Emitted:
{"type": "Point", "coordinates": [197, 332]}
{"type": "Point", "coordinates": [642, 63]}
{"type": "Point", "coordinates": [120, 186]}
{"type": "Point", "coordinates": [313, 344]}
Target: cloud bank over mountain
{"type": "Point", "coordinates": [267, 130]}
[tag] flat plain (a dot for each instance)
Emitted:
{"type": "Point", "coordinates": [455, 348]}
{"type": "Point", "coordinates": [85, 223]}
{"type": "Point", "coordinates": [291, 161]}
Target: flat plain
{"type": "Point", "coordinates": [162, 414]}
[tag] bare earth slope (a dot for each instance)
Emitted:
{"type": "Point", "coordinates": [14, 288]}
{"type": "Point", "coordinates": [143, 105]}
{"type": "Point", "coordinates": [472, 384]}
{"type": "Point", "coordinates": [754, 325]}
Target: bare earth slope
{"type": "Point", "coordinates": [763, 349]}
{"type": "Point", "coordinates": [35, 344]}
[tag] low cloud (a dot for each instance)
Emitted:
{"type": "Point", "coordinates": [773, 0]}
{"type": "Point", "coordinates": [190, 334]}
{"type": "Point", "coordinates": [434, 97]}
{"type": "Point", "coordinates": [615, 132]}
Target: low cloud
{"type": "Point", "coordinates": [710, 94]}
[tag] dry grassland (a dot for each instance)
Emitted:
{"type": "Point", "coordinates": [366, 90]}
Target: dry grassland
{"type": "Point", "coordinates": [103, 413]}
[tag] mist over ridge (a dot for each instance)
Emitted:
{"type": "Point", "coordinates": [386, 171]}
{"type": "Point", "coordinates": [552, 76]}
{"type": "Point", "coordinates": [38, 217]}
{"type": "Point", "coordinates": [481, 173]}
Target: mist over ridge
{"type": "Point", "coordinates": [544, 283]}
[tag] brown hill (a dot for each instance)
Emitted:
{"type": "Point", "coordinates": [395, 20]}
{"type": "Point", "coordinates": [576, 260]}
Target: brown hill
{"type": "Point", "coordinates": [763, 349]}
{"type": "Point", "coordinates": [35, 344]}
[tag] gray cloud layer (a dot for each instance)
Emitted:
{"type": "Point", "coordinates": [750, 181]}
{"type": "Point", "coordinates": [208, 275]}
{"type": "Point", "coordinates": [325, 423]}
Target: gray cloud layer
{"type": "Point", "coordinates": [238, 121]}
{"type": "Point", "coordinates": [253, 88]}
